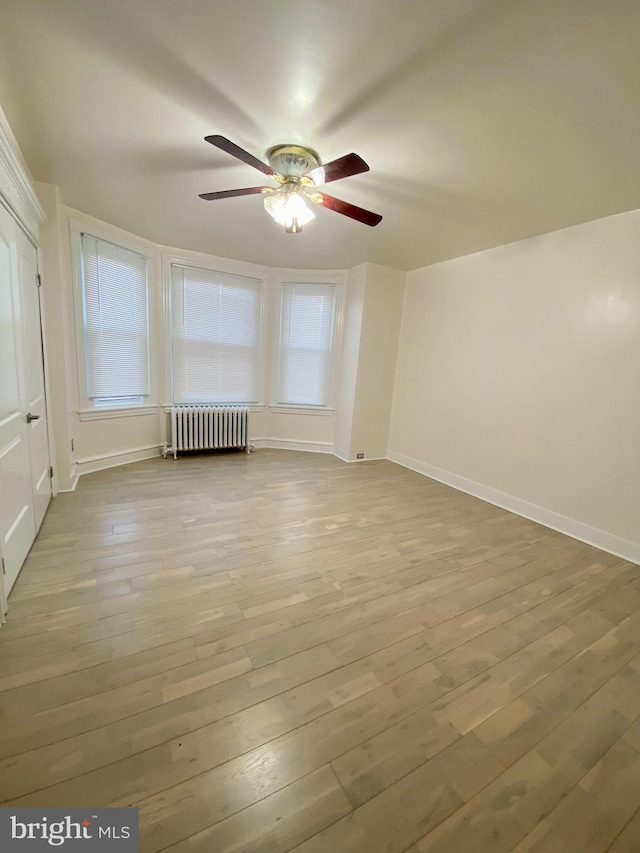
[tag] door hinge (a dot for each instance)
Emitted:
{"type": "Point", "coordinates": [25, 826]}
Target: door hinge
{"type": "Point", "coordinates": [38, 280]}
{"type": "Point", "coordinates": [51, 472]}
{"type": "Point", "coordinates": [4, 571]}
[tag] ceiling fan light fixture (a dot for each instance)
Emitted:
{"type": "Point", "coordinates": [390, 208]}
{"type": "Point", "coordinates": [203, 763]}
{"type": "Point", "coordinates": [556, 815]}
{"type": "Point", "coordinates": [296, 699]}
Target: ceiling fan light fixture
{"type": "Point", "coordinates": [292, 160]}
{"type": "Point", "coordinates": [288, 209]}
{"type": "Point", "coordinates": [294, 227]}
{"type": "Point", "coordinates": [297, 170]}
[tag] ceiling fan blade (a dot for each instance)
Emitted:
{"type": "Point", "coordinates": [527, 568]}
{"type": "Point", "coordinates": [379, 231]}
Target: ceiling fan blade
{"type": "Point", "coordinates": [347, 209]}
{"type": "Point", "coordinates": [343, 167]}
{"type": "Point", "coordinates": [229, 147]}
{"type": "Point", "coordinates": [232, 193]}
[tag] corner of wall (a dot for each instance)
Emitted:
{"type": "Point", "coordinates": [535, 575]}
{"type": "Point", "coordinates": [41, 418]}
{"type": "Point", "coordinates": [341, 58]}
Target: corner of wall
{"type": "Point", "coordinates": [56, 334]}
{"type": "Point", "coordinates": [517, 378]}
{"type": "Point", "coordinates": [378, 350]}
{"type": "Point", "coordinates": [593, 536]}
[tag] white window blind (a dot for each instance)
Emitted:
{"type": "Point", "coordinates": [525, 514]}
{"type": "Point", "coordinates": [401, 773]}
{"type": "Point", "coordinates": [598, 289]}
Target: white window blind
{"type": "Point", "coordinates": [116, 322]}
{"type": "Point", "coordinates": [306, 332]}
{"type": "Point", "coordinates": [216, 320]}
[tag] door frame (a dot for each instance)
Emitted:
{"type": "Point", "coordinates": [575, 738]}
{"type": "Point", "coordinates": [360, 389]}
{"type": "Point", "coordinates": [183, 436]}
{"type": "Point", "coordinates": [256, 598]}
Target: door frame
{"type": "Point", "coordinates": [18, 196]}
{"type": "Point", "coordinates": [45, 373]}
{"type": "Point", "coordinates": [4, 603]}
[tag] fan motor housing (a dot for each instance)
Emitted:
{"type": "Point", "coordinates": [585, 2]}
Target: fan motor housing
{"type": "Point", "coordinates": [292, 160]}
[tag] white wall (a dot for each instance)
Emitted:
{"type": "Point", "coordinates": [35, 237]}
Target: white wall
{"type": "Point", "coordinates": [373, 311]}
{"type": "Point", "coordinates": [377, 355]}
{"type": "Point", "coordinates": [518, 378]}
{"type": "Point", "coordinates": [57, 314]}
{"type": "Point", "coordinates": [351, 332]}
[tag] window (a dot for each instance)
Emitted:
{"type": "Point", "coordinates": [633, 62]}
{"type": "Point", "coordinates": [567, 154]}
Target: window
{"type": "Point", "coordinates": [216, 336]}
{"type": "Point", "coordinates": [306, 332]}
{"type": "Point", "coordinates": [115, 319]}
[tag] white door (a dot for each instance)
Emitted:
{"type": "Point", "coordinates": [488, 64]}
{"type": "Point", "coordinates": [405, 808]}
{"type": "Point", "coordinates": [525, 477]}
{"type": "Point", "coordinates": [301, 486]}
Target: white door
{"type": "Point", "coordinates": [35, 401]}
{"type": "Point", "coordinates": [17, 518]}
{"type": "Point", "coordinates": [25, 485]}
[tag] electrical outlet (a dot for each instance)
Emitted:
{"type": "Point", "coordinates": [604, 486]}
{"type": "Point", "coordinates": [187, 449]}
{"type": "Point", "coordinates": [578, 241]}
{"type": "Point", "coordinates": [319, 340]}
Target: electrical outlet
{"type": "Point", "coordinates": [359, 455]}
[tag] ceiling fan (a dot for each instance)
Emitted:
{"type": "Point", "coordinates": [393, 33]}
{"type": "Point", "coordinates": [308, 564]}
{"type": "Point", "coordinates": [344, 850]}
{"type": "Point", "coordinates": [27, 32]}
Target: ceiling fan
{"type": "Point", "coordinates": [298, 171]}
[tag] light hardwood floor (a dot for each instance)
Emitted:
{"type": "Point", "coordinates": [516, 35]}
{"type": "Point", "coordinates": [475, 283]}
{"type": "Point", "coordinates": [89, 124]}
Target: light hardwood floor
{"type": "Point", "coordinates": [285, 652]}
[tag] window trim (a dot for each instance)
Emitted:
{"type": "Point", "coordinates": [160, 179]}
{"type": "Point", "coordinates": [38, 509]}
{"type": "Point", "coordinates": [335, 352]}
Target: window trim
{"type": "Point", "coordinates": [104, 412]}
{"type": "Point", "coordinates": [210, 264]}
{"type": "Point", "coordinates": [319, 277]}
{"type": "Point", "coordinates": [300, 409]}
{"type": "Point", "coordinates": [86, 409]}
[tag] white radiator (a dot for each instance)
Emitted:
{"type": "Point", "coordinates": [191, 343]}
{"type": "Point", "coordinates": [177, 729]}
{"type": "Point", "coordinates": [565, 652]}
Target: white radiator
{"type": "Point", "coordinates": [209, 427]}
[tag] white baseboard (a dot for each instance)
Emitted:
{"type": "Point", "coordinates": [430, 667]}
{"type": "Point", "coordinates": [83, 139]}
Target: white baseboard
{"type": "Point", "coordinates": [70, 486]}
{"type": "Point", "coordinates": [111, 460]}
{"type": "Point", "coordinates": [368, 457]}
{"type": "Point", "coordinates": [576, 529]}
{"type": "Point", "coordinates": [285, 444]}
{"type": "Point", "coordinates": [90, 464]}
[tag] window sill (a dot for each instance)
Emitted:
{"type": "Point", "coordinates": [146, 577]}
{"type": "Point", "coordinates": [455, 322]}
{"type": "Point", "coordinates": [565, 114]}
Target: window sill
{"type": "Point", "coordinates": [122, 412]}
{"type": "Point", "coordinates": [253, 407]}
{"type": "Point", "coordinates": [301, 410]}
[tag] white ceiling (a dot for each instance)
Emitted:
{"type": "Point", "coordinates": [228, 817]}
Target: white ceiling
{"type": "Point", "coordinates": [483, 121]}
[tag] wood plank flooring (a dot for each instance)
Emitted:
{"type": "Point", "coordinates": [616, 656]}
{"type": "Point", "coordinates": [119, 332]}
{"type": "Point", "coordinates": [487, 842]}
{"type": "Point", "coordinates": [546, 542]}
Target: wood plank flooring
{"type": "Point", "coordinates": [283, 652]}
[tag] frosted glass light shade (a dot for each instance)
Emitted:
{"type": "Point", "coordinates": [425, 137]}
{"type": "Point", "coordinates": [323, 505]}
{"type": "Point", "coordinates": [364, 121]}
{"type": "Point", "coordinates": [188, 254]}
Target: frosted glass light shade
{"type": "Point", "coordinates": [285, 208]}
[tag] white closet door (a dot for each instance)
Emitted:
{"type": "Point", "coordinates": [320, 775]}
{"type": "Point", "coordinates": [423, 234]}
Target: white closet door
{"type": "Point", "coordinates": [17, 518]}
{"type": "Point", "coordinates": [35, 401]}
